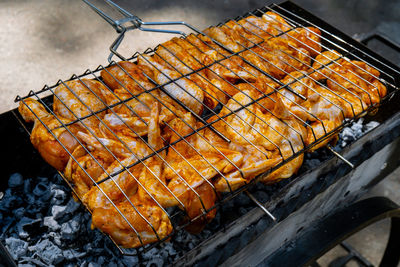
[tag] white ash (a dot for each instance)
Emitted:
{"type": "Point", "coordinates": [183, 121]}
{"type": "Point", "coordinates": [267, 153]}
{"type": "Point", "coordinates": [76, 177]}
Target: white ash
{"type": "Point", "coordinates": [355, 131]}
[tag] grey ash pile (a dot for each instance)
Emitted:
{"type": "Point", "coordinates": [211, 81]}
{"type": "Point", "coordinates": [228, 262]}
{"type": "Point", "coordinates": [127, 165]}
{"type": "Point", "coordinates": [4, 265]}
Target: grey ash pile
{"type": "Point", "coordinates": [42, 225]}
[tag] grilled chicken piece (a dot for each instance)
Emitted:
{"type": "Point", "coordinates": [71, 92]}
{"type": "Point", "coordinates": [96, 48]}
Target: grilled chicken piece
{"type": "Point", "coordinates": [147, 222]}
{"type": "Point", "coordinates": [84, 169]}
{"type": "Point", "coordinates": [193, 162]}
{"type": "Point", "coordinates": [127, 75]}
{"type": "Point", "coordinates": [349, 77]}
{"type": "Point", "coordinates": [258, 136]}
{"type": "Point", "coordinates": [51, 149]}
{"type": "Point", "coordinates": [276, 24]}
{"type": "Point", "coordinates": [182, 89]}
{"type": "Point", "coordinates": [133, 115]}
{"type": "Point", "coordinates": [77, 99]}
{"type": "Point", "coordinates": [197, 203]}
{"type": "Point", "coordinates": [152, 178]}
{"type": "Point", "coordinates": [308, 38]}
{"type": "Point", "coordinates": [127, 151]}
{"type": "Point", "coordinates": [325, 111]}
{"type": "Point", "coordinates": [324, 63]}
{"type": "Point", "coordinates": [118, 186]}
{"type": "Point", "coordinates": [172, 54]}
{"type": "Point", "coordinates": [219, 35]}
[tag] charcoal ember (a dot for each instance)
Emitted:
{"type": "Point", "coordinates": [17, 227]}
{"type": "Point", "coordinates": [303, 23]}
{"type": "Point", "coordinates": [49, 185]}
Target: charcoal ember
{"type": "Point", "coordinates": [130, 260]}
{"type": "Point", "coordinates": [261, 196]}
{"type": "Point", "coordinates": [41, 189]}
{"type": "Point", "coordinates": [47, 252]}
{"type": "Point", "coordinates": [153, 258]}
{"type": "Point", "coordinates": [16, 247]}
{"type": "Point", "coordinates": [72, 254]}
{"type": "Point", "coordinates": [64, 213]}
{"type": "Point", "coordinates": [99, 261]}
{"type": "Point", "coordinates": [15, 180]}
{"type": "Point", "coordinates": [25, 225]}
{"type": "Point", "coordinates": [55, 238]}
{"type": "Point", "coordinates": [169, 249]}
{"type": "Point", "coordinates": [30, 199]}
{"type": "Point", "coordinates": [157, 261]}
{"type": "Point", "coordinates": [242, 200]}
{"type": "Point", "coordinates": [70, 229]}
{"type": "Point", "coordinates": [58, 211]}
{"type": "Point", "coordinates": [51, 223]}
{"type": "Point", "coordinates": [58, 196]}
{"type": "Point", "coordinates": [29, 261]}
{"type": "Point", "coordinates": [19, 213]}
{"type": "Point", "coordinates": [311, 164]}
{"type": "Point", "coordinates": [27, 186]}
{"type": "Point", "coordinates": [10, 201]}
{"type": "Point", "coordinates": [94, 264]}
{"type": "Point", "coordinates": [26, 265]}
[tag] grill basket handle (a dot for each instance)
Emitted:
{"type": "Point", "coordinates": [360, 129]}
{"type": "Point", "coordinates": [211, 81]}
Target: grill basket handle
{"type": "Point", "coordinates": [131, 22]}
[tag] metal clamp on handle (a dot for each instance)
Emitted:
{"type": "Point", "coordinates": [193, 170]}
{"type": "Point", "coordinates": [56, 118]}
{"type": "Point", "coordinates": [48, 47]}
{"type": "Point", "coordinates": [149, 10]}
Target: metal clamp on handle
{"type": "Point", "coordinates": [136, 23]}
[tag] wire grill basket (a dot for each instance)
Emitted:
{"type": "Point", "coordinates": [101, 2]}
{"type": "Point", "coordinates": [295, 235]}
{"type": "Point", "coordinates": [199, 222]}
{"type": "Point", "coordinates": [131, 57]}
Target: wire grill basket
{"type": "Point", "coordinates": [200, 118]}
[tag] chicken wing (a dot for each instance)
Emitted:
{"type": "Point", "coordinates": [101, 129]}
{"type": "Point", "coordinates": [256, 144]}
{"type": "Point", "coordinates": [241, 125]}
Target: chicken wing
{"type": "Point", "coordinates": [182, 89]}
{"type": "Point", "coordinates": [128, 75]}
{"type": "Point", "coordinates": [53, 149]}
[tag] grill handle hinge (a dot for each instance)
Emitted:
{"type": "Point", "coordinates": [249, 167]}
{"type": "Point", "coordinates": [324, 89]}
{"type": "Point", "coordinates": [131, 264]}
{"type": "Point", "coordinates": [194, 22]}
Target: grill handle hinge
{"type": "Point", "coordinates": [131, 22]}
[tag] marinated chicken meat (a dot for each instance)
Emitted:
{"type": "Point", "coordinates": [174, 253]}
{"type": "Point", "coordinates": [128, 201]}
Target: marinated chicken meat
{"type": "Point", "coordinates": [191, 122]}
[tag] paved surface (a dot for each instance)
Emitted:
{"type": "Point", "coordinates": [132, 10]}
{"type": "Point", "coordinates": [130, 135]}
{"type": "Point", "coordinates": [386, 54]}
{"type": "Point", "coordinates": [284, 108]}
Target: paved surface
{"type": "Point", "coordinates": [43, 41]}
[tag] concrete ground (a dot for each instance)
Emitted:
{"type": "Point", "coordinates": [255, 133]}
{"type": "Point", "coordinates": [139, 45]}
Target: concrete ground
{"type": "Point", "coordinates": [43, 41]}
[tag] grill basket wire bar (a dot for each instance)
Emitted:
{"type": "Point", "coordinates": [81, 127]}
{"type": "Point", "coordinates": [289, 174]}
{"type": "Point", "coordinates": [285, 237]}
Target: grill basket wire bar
{"type": "Point", "coordinates": [195, 72]}
{"type": "Point", "coordinates": [331, 42]}
{"type": "Point", "coordinates": [291, 37]}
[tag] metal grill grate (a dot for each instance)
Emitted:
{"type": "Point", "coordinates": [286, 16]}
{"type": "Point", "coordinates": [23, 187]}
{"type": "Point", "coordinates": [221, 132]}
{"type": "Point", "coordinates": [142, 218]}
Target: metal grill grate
{"type": "Point", "coordinates": [200, 118]}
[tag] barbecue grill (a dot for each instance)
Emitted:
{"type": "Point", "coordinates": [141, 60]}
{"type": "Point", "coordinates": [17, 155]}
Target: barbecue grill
{"type": "Point", "coordinates": [290, 199]}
